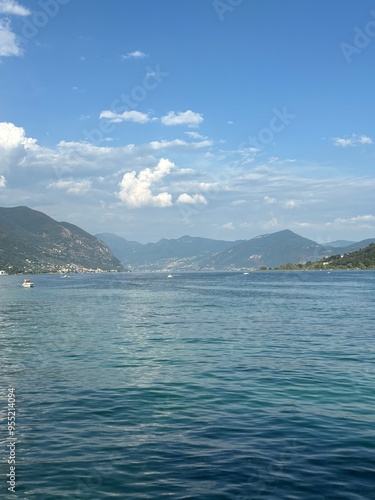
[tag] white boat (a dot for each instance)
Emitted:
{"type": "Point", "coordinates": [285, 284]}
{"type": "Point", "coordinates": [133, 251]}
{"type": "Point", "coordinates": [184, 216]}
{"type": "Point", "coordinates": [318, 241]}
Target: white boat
{"type": "Point", "coordinates": [169, 276]}
{"type": "Point", "coordinates": [27, 283]}
{"type": "Point", "coordinates": [245, 273]}
{"type": "Point", "coordinates": [3, 273]}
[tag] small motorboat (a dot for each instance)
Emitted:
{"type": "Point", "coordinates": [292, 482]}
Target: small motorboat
{"type": "Point", "coordinates": [27, 283]}
{"type": "Point", "coordinates": [169, 276]}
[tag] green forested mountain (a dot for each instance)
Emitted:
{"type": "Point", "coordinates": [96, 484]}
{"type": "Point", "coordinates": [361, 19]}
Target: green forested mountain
{"type": "Point", "coordinates": [30, 241]}
{"type": "Point", "coordinates": [360, 259]}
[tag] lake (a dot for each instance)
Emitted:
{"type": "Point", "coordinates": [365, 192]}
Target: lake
{"type": "Point", "coordinates": [201, 386]}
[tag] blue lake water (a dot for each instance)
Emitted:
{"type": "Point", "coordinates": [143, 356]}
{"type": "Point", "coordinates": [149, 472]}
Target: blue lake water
{"type": "Point", "coordinates": [204, 386]}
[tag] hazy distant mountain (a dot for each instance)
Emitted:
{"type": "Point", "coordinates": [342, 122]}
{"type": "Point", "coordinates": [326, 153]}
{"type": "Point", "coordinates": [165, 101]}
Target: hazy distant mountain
{"type": "Point", "coordinates": [183, 253]}
{"type": "Point", "coordinates": [357, 246]}
{"type": "Point", "coordinates": [188, 253]}
{"type": "Point", "coordinates": [339, 243]}
{"type": "Point", "coordinates": [30, 241]}
{"type": "Point", "coordinates": [122, 248]}
{"type": "Point", "coordinates": [270, 250]}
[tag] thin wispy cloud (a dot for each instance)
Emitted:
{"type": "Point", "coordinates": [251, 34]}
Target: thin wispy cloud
{"type": "Point", "coordinates": [126, 116]}
{"type": "Point", "coordinates": [136, 54]}
{"type": "Point", "coordinates": [9, 43]}
{"type": "Point", "coordinates": [354, 140]}
{"type": "Point", "coordinates": [359, 219]}
{"type": "Point", "coordinates": [72, 187]}
{"type": "Point", "coordinates": [179, 144]}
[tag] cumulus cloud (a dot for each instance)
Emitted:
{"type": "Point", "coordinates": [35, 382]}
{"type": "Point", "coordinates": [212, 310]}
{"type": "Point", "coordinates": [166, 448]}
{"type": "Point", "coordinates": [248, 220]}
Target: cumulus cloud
{"type": "Point", "coordinates": [354, 140]}
{"type": "Point", "coordinates": [13, 8]}
{"type": "Point", "coordinates": [136, 54]}
{"type": "Point", "coordinates": [183, 118]}
{"type": "Point", "coordinates": [196, 199]}
{"type": "Point", "coordinates": [15, 147]}
{"type": "Point", "coordinates": [72, 187]}
{"type": "Point", "coordinates": [229, 226]}
{"type": "Point", "coordinates": [12, 137]}
{"type": "Point", "coordinates": [126, 116]}
{"type": "Point", "coordinates": [136, 189]}
{"type": "Point", "coordinates": [3, 182]}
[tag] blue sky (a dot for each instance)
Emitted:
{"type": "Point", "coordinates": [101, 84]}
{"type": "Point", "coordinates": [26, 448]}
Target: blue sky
{"type": "Point", "coordinates": [218, 118]}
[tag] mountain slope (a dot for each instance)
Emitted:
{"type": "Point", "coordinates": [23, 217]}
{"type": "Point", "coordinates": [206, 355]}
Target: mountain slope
{"type": "Point", "coordinates": [189, 253]}
{"type": "Point", "coordinates": [270, 250]}
{"type": "Point", "coordinates": [186, 252]}
{"type": "Point", "coordinates": [355, 246]}
{"type": "Point", "coordinates": [360, 259]}
{"type": "Point", "coordinates": [31, 241]}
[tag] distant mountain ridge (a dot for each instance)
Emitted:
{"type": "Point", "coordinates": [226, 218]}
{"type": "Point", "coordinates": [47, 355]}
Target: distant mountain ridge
{"type": "Point", "coordinates": [193, 253]}
{"type": "Point", "coordinates": [31, 241]}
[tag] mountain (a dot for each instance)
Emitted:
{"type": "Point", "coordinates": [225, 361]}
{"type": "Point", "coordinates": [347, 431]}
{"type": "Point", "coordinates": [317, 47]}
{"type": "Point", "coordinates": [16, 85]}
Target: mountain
{"type": "Point", "coordinates": [30, 241]}
{"type": "Point", "coordinates": [189, 253]}
{"type": "Point", "coordinates": [269, 250]}
{"type": "Point", "coordinates": [355, 246]}
{"type": "Point", "coordinates": [185, 253]}
{"type": "Point", "coordinates": [360, 259]}
{"type": "Point", "coordinates": [122, 248]}
{"type": "Point", "coordinates": [339, 244]}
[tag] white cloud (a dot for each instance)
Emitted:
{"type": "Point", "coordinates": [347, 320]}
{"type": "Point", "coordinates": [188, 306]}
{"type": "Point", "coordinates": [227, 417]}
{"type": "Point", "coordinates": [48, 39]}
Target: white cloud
{"type": "Point", "coordinates": [229, 226]}
{"type": "Point", "coordinates": [12, 137]}
{"type": "Point", "coordinates": [13, 8]}
{"type": "Point", "coordinates": [8, 41]}
{"type": "Point", "coordinates": [72, 187]}
{"type": "Point", "coordinates": [183, 118]}
{"type": "Point", "coordinates": [354, 140]}
{"type": "Point", "coordinates": [136, 189]}
{"type": "Point", "coordinates": [9, 44]}
{"type": "Point", "coordinates": [196, 199]}
{"type": "Point", "coordinates": [195, 135]}
{"type": "Point", "coordinates": [237, 203]}
{"type": "Point", "coordinates": [136, 54]}
{"type": "Point", "coordinates": [359, 219]}
{"type": "Point", "coordinates": [178, 143]}
{"type": "Point", "coordinates": [364, 139]}
{"type": "Point", "coordinates": [3, 182]}
{"type": "Point", "coordinates": [291, 203]}
{"type": "Point", "coordinates": [269, 200]}
{"type": "Point", "coordinates": [126, 116]}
